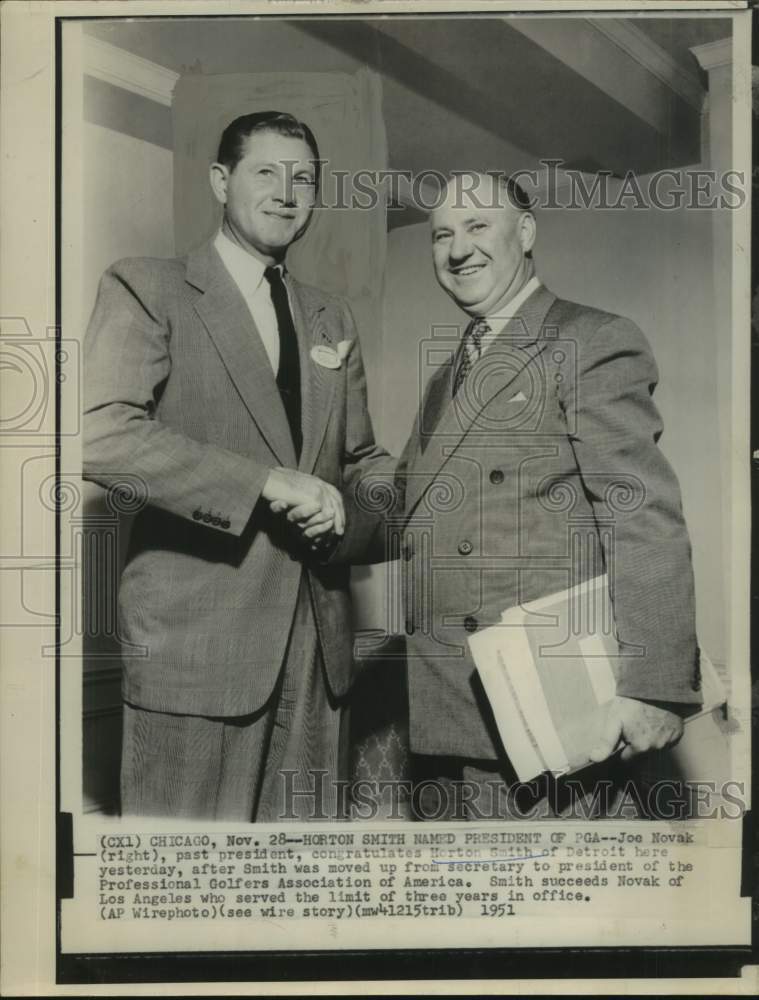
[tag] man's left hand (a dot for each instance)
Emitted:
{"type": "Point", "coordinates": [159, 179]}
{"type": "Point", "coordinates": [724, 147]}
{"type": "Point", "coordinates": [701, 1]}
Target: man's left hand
{"type": "Point", "coordinates": [311, 518]}
{"type": "Point", "coordinates": [315, 526]}
{"type": "Point", "coordinates": [640, 725]}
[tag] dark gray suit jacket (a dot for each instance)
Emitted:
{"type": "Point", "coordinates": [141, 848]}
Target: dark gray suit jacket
{"type": "Point", "coordinates": [544, 471]}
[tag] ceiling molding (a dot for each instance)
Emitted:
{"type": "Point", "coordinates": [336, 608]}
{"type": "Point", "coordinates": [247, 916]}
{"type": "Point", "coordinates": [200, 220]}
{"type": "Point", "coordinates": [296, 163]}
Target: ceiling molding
{"type": "Point", "coordinates": [130, 72]}
{"type": "Point", "coordinates": [622, 63]}
{"type": "Point", "coordinates": [714, 54]}
{"type": "Point", "coordinates": [652, 57]}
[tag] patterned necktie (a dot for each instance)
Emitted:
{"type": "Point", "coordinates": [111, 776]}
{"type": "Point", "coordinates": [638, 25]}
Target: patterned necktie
{"type": "Point", "coordinates": [288, 373]}
{"type": "Point", "coordinates": [471, 350]}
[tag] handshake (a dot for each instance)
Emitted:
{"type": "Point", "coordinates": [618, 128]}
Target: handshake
{"type": "Point", "coordinates": [314, 507]}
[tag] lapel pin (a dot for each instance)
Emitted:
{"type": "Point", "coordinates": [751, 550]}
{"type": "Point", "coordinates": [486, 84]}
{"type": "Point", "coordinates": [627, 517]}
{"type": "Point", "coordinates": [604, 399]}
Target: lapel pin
{"type": "Point", "coordinates": [325, 356]}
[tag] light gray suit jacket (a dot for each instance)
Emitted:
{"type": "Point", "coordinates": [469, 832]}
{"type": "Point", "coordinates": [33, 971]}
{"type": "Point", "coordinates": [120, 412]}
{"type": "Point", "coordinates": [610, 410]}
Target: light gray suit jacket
{"type": "Point", "coordinates": [181, 398]}
{"type": "Point", "coordinates": [544, 471]}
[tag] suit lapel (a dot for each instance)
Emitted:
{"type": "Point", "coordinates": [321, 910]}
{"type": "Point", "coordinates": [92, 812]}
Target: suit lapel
{"type": "Point", "coordinates": [317, 382]}
{"type": "Point", "coordinates": [227, 318]}
{"type": "Point", "coordinates": [436, 401]}
{"type": "Point", "coordinates": [515, 347]}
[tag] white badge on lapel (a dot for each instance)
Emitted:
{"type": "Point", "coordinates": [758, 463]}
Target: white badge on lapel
{"type": "Point", "coordinates": [325, 356]}
{"type": "Point", "coordinates": [328, 357]}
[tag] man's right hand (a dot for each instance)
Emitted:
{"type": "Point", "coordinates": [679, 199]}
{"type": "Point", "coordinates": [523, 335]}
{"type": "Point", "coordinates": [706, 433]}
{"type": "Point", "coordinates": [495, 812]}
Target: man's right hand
{"type": "Point", "coordinates": [298, 492]}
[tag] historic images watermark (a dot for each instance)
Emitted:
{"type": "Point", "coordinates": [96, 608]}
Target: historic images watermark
{"type": "Point", "coordinates": [306, 794]}
{"type": "Point", "coordinates": [552, 185]}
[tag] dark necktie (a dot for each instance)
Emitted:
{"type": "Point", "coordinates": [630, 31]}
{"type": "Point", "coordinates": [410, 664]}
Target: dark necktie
{"type": "Point", "coordinates": [471, 349]}
{"type": "Point", "coordinates": [468, 354]}
{"type": "Point", "coordinates": [288, 373]}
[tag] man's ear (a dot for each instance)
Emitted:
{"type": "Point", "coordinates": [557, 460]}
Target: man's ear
{"type": "Point", "coordinates": [219, 175]}
{"type": "Point", "coordinates": [528, 230]}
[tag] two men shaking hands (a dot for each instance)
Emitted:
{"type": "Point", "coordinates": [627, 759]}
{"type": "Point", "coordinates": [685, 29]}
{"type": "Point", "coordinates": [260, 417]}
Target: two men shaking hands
{"type": "Point", "coordinates": [216, 379]}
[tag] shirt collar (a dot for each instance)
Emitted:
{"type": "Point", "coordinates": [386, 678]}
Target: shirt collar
{"type": "Point", "coordinates": [498, 320]}
{"type": "Point", "coordinates": [247, 270]}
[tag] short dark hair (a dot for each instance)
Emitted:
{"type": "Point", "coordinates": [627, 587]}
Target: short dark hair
{"type": "Point", "coordinates": [235, 136]}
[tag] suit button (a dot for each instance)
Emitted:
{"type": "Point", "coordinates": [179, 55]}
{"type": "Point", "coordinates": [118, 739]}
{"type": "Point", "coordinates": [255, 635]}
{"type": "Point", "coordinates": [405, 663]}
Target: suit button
{"type": "Point", "coordinates": [206, 519]}
{"type": "Point", "coordinates": [470, 623]}
{"type": "Point", "coordinates": [496, 477]}
{"type": "Point", "coordinates": [216, 521]}
{"type": "Point", "coordinates": [226, 524]}
{"type": "Point", "coordinates": [465, 547]}
{"type": "Point", "coordinates": [197, 515]}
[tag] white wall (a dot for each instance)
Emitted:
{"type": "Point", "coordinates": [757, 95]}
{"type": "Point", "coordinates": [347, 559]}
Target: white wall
{"type": "Point", "coordinates": [127, 202]}
{"type": "Point", "coordinates": [656, 268]}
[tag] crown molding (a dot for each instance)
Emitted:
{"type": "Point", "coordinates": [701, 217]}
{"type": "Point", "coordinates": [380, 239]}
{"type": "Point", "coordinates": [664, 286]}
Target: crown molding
{"type": "Point", "coordinates": [652, 57]}
{"type": "Point", "coordinates": [130, 72]}
{"type": "Point", "coordinates": [714, 54]}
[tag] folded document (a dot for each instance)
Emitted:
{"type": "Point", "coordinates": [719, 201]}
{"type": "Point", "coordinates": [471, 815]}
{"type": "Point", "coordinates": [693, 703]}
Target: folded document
{"type": "Point", "coordinates": [548, 669]}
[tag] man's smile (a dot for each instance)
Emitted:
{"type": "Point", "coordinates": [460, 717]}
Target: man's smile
{"type": "Point", "coordinates": [466, 270]}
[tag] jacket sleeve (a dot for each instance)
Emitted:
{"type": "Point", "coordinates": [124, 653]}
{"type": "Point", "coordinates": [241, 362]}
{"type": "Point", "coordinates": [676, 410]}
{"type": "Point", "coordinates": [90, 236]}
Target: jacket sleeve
{"type": "Point", "coordinates": [647, 552]}
{"type": "Point", "coordinates": [127, 360]}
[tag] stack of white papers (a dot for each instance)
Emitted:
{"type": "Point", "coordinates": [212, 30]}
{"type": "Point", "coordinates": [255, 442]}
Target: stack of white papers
{"type": "Point", "coordinates": [549, 667]}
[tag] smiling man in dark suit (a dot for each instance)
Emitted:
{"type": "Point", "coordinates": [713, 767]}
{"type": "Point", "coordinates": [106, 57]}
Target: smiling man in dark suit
{"type": "Point", "coordinates": [225, 385]}
{"type": "Point", "coordinates": [533, 465]}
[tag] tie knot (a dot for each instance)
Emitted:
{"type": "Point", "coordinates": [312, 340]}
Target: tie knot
{"type": "Point", "coordinates": [273, 275]}
{"type": "Point", "coordinates": [477, 330]}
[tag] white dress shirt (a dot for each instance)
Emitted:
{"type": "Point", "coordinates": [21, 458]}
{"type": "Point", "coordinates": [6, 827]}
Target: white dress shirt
{"type": "Point", "coordinates": [498, 321]}
{"type": "Point", "coordinates": [247, 273]}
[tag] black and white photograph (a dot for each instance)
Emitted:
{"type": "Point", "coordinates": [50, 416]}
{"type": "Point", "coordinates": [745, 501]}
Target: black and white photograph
{"type": "Point", "coordinates": [276, 373]}
{"type": "Point", "coordinates": [384, 426]}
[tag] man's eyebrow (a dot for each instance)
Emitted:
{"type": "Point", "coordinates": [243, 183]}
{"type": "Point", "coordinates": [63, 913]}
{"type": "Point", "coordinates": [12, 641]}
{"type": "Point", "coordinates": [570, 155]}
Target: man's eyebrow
{"type": "Point", "coordinates": [467, 222]}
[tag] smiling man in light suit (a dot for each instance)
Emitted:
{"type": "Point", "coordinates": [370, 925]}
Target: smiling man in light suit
{"type": "Point", "coordinates": [506, 492]}
{"type": "Point", "coordinates": [224, 385]}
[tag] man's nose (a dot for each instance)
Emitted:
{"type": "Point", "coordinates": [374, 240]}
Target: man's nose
{"type": "Point", "coordinates": [460, 247]}
{"type": "Point", "coordinates": [285, 189]}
